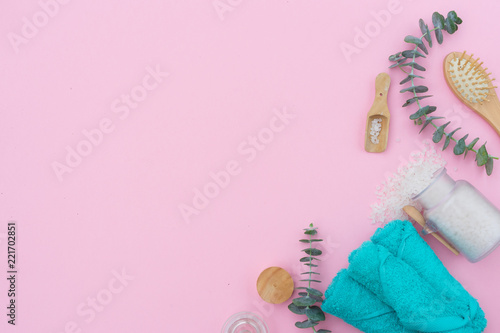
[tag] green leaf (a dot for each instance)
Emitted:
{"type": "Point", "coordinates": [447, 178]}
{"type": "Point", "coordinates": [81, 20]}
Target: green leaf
{"type": "Point", "coordinates": [429, 120]}
{"type": "Point", "coordinates": [489, 166]}
{"type": "Point", "coordinates": [395, 57]}
{"type": "Point", "coordinates": [414, 65]}
{"type": "Point", "coordinates": [415, 89]}
{"type": "Point", "coordinates": [450, 26]}
{"type": "Point", "coordinates": [413, 40]}
{"type": "Point", "coordinates": [439, 36]}
{"type": "Point", "coordinates": [309, 273]}
{"type": "Point", "coordinates": [303, 293]}
{"type": "Point", "coordinates": [414, 99]}
{"type": "Point", "coordinates": [323, 331]}
{"type": "Point", "coordinates": [412, 53]}
{"type": "Point", "coordinates": [422, 112]}
{"type": "Point", "coordinates": [300, 310]}
{"type": "Point", "coordinates": [314, 313]}
{"type": "Point", "coordinates": [426, 32]}
{"type": "Point", "coordinates": [310, 240]}
{"type": "Point", "coordinates": [446, 142]}
{"type": "Point", "coordinates": [311, 265]}
{"type": "Point", "coordinates": [460, 146]}
{"type": "Point", "coordinates": [423, 48]}
{"type": "Point", "coordinates": [304, 301]}
{"type": "Point", "coordinates": [438, 20]}
{"type": "Point", "coordinates": [452, 15]}
{"type": "Point", "coordinates": [315, 292]}
{"type": "Point", "coordinates": [308, 259]}
{"type": "Point", "coordinates": [310, 280]}
{"type": "Point", "coordinates": [482, 155]}
{"type": "Point", "coordinates": [438, 134]}
{"type": "Point", "coordinates": [311, 232]}
{"type": "Point", "coordinates": [313, 252]}
{"type": "Point", "coordinates": [409, 77]}
{"type": "Point", "coordinates": [470, 146]}
{"type": "Point", "coordinates": [306, 324]}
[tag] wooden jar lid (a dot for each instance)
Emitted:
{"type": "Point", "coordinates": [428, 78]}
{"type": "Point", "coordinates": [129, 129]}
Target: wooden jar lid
{"type": "Point", "coordinates": [275, 285]}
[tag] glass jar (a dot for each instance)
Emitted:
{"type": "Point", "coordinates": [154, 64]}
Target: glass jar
{"type": "Point", "coordinates": [462, 215]}
{"type": "Point", "coordinates": [245, 322]}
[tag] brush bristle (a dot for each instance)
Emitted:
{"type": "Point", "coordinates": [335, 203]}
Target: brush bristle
{"type": "Point", "coordinates": [470, 79]}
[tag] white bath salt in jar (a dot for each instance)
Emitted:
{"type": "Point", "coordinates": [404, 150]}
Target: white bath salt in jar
{"type": "Point", "coordinates": [462, 215]}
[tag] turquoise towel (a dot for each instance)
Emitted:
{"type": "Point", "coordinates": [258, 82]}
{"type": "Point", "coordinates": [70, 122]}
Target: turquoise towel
{"type": "Point", "coordinates": [349, 300]}
{"type": "Point", "coordinates": [399, 269]}
{"type": "Point", "coordinates": [422, 259]}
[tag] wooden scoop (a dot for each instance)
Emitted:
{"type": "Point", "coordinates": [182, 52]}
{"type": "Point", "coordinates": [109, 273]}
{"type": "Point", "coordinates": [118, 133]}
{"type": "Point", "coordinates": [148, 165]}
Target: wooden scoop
{"type": "Point", "coordinates": [379, 110]}
{"type": "Point", "coordinates": [415, 214]}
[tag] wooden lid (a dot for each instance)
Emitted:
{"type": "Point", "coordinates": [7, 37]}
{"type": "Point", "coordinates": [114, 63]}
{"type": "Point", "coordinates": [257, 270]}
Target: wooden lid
{"type": "Point", "coordinates": [275, 285]}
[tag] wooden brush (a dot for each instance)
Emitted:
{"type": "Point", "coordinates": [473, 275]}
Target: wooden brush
{"type": "Point", "coordinates": [472, 84]}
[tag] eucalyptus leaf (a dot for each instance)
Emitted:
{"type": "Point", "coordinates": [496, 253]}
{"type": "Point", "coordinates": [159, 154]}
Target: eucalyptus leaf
{"type": "Point", "coordinates": [426, 32]}
{"type": "Point", "coordinates": [438, 20]}
{"type": "Point", "coordinates": [415, 89]}
{"type": "Point", "coordinates": [450, 26]}
{"type": "Point", "coordinates": [414, 65]}
{"type": "Point", "coordinates": [482, 155]}
{"type": "Point", "coordinates": [311, 232]}
{"type": "Point", "coordinates": [309, 272]}
{"type": "Point", "coordinates": [429, 120]}
{"type": "Point", "coordinates": [438, 134]}
{"type": "Point", "coordinates": [460, 146]}
{"type": "Point", "coordinates": [395, 57]}
{"type": "Point", "coordinates": [300, 310]}
{"type": "Point", "coordinates": [446, 142]}
{"type": "Point", "coordinates": [423, 111]}
{"type": "Point", "coordinates": [310, 240]}
{"type": "Point", "coordinates": [314, 313]}
{"type": "Point", "coordinates": [315, 292]}
{"type": "Point", "coordinates": [311, 280]}
{"type": "Point", "coordinates": [439, 36]}
{"type": "Point", "coordinates": [303, 293]}
{"type": "Point", "coordinates": [489, 166]}
{"type": "Point", "coordinates": [311, 265]}
{"type": "Point", "coordinates": [306, 324]}
{"type": "Point", "coordinates": [412, 53]}
{"type": "Point", "coordinates": [304, 301]}
{"type": "Point", "coordinates": [423, 48]}
{"type": "Point", "coordinates": [313, 251]}
{"type": "Point", "coordinates": [413, 40]}
{"type": "Point", "coordinates": [323, 331]}
{"type": "Point", "coordinates": [414, 99]}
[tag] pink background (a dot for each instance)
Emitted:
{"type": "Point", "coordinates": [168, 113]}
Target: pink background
{"type": "Point", "coordinates": [119, 208]}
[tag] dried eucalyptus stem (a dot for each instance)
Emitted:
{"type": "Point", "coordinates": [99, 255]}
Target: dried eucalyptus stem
{"type": "Point", "coordinates": [421, 117]}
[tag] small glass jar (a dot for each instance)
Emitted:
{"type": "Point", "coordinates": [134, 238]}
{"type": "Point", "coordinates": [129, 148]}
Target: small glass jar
{"type": "Point", "coordinates": [462, 215]}
{"type": "Point", "coordinates": [245, 322]}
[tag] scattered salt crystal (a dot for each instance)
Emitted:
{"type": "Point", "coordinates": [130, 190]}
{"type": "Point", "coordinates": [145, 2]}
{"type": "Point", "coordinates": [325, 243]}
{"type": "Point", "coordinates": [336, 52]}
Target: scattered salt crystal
{"type": "Point", "coordinates": [400, 187]}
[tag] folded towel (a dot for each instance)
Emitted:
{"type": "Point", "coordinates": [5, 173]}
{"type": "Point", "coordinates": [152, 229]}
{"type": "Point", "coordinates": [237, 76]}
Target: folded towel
{"type": "Point", "coordinates": [401, 239]}
{"type": "Point", "coordinates": [400, 270]}
{"type": "Point", "coordinates": [349, 300]}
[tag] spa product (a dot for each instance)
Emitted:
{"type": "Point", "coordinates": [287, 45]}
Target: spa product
{"type": "Point", "coordinates": [245, 322]}
{"type": "Point", "coordinates": [375, 130]}
{"type": "Point", "coordinates": [377, 122]}
{"type": "Point", "coordinates": [400, 187]}
{"type": "Point", "coordinates": [396, 283]}
{"type": "Point", "coordinates": [462, 215]}
{"type": "Point", "coordinates": [415, 214]}
{"type": "Point", "coordinates": [472, 85]}
{"type": "Point", "coordinates": [275, 285]}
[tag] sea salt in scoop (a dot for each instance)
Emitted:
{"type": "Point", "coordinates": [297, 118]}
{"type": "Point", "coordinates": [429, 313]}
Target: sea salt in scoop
{"type": "Point", "coordinates": [462, 215]}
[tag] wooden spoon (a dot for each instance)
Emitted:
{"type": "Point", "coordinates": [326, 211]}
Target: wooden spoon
{"type": "Point", "coordinates": [379, 110]}
{"type": "Point", "coordinates": [415, 214]}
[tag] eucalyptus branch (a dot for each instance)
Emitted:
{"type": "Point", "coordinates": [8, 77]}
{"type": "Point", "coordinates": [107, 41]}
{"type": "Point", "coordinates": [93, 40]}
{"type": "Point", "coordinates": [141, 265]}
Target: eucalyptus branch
{"type": "Point", "coordinates": [421, 117]}
{"type": "Point", "coordinates": [304, 304]}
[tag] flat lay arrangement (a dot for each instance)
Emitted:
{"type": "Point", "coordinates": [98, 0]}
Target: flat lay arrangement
{"type": "Point", "coordinates": [250, 166]}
